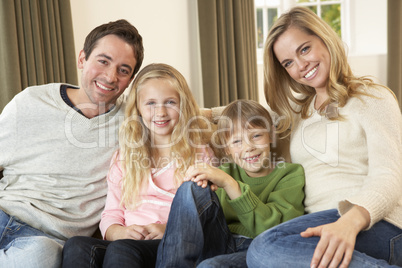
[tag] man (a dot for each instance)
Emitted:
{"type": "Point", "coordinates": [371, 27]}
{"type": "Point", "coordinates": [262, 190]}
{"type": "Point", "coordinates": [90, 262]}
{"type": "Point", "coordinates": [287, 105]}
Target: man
{"type": "Point", "coordinates": [56, 142]}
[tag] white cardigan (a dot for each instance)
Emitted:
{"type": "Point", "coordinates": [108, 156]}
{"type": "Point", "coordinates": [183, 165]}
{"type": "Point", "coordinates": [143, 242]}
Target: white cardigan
{"type": "Point", "coordinates": [357, 160]}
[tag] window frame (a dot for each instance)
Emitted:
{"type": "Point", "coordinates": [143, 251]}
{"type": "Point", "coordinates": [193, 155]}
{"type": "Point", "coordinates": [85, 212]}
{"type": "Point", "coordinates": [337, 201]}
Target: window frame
{"type": "Point", "coordinates": [284, 5]}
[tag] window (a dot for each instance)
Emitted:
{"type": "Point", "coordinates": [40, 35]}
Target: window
{"type": "Point", "coordinates": [267, 11]}
{"type": "Point", "coordinates": [328, 10]}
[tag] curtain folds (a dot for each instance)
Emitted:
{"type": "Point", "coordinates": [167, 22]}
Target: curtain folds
{"type": "Point", "coordinates": [228, 51]}
{"type": "Point", "coordinates": [36, 45]}
{"type": "Point", "coordinates": [395, 48]}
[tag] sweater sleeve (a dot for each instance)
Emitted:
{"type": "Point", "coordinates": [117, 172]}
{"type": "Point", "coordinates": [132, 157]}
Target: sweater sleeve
{"type": "Point", "coordinates": [282, 203]}
{"type": "Point", "coordinates": [381, 121]}
{"type": "Point", "coordinates": [8, 133]}
{"type": "Point", "coordinates": [113, 212]}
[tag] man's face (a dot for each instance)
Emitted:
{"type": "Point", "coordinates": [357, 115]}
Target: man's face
{"type": "Point", "coordinates": [107, 71]}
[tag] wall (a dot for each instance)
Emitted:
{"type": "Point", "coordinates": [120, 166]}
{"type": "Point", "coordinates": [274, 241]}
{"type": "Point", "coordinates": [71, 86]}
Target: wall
{"type": "Point", "coordinates": [170, 33]}
{"type": "Point", "coordinates": [368, 39]}
{"type": "Point", "coordinates": [169, 30]}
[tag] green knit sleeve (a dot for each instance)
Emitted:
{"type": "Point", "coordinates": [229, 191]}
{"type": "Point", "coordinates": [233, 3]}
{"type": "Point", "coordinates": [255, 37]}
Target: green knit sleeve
{"type": "Point", "coordinates": [280, 199]}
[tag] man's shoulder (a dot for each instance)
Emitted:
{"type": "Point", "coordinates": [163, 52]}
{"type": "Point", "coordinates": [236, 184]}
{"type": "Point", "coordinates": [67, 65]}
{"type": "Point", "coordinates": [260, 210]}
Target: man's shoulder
{"type": "Point", "coordinates": [42, 90]}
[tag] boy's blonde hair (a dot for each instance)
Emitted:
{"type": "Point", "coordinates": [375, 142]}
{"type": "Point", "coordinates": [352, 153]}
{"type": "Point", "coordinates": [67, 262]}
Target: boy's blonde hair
{"type": "Point", "coordinates": [279, 87]}
{"type": "Point", "coordinates": [242, 114]}
{"type": "Point", "coordinates": [134, 138]}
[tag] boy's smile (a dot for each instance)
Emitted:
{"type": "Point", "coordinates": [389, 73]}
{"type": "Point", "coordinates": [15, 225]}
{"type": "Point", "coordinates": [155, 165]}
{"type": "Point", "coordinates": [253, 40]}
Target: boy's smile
{"type": "Point", "coordinates": [250, 149]}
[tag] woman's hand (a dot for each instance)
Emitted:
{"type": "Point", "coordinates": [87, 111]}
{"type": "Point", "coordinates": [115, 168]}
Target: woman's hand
{"type": "Point", "coordinates": [338, 239]}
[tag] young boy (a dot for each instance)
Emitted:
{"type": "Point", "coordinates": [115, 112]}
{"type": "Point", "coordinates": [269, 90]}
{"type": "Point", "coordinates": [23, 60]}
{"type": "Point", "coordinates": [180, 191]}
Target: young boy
{"type": "Point", "coordinates": [252, 194]}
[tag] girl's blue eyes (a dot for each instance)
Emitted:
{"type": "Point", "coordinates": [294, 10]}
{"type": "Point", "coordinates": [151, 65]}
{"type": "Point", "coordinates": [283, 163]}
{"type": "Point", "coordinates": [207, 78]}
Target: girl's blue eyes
{"type": "Point", "coordinates": [167, 103]}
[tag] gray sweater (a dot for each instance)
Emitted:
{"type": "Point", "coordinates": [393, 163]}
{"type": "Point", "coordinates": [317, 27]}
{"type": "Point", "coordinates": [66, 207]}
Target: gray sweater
{"type": "Point", "coordinates": [55, 161]}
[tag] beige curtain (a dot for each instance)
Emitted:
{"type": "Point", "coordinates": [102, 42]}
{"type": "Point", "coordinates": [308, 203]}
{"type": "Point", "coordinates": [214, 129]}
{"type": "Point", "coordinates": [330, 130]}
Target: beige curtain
{"type": "Point", "coordinates": [36, 45]}
{"type": "Point", "coordinates": [395, 47]}
{"type": "Point", "coordinates": [228, 51]}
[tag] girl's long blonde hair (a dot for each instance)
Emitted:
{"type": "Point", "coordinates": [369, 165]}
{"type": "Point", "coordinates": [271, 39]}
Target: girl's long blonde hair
{"type": "Point", "coordinates": [135, 148]}
{"type": "Point", "coordinates": [280, 88]}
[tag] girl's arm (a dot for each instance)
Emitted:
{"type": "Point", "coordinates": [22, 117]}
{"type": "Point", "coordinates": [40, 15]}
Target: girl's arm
{"type": "Point", "coordinates": [113, 214]}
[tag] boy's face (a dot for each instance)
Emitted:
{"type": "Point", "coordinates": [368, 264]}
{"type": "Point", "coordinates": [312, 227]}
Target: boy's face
{"type": "Point", "coordinates": [250, 149]}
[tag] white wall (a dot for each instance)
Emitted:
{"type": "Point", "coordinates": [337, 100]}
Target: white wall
{"type": "Point", "coordinates": [170, 33]}
{"type": "Point", "coordinates": [168, 28]}
{"type": "Point", "coordinates": [368, 38]}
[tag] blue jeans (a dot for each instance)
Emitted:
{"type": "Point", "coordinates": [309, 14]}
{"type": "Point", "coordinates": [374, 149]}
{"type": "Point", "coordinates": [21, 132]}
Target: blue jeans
{"type": "Point", "coordinates": [81, 251]}
{"type": "Point", "coordinates": [197, 233]}
{"type": "Point", "coordinates": [282, 246]}
{"type": "Point", "coordinates": [24, 246]}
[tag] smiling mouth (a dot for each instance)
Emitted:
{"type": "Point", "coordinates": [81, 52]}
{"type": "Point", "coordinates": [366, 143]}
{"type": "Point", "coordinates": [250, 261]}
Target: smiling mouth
{"type": "Point", "coordinates": [161, 123]}
{"type": "Point", "coordinates": [309, 74]}
{"type": "Point", "coordinates": [252, 158]}
{"type": "Point", "coordinates": [103, 87]}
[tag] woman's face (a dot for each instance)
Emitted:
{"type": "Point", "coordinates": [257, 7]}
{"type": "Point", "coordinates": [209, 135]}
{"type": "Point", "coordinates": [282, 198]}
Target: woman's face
{"type": "Point", "coordinates": [305, 57]}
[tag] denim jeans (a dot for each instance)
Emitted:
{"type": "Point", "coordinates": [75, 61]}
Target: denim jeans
{"type": "Point", "coordinates": [24, 246]}
{"type": "Point", "coordinates": [282, 246]}
{"type": "Point", "coordinates": [197, 231]}
{"type": "Point", "coordinates": [81, 251]}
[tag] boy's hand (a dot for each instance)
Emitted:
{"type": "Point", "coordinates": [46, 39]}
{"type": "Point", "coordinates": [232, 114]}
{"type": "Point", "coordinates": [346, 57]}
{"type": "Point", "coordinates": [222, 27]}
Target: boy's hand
{"type": "Point", "coordinates": [202, 173]}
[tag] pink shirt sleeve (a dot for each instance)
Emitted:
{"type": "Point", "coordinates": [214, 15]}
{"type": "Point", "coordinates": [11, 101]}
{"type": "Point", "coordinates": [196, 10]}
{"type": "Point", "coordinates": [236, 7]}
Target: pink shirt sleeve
{"type": "Point", "coordinates": [113, 212]}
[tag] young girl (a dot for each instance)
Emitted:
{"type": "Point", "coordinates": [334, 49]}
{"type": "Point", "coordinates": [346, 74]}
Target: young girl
{"type": "Point", "coordinates": [160, 137]}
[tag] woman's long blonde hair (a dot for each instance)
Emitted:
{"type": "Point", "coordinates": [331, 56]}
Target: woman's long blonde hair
{"type": "Point", "coordinates": [135, 148]}
{"type": "Point", "coordinates": [279, 87]}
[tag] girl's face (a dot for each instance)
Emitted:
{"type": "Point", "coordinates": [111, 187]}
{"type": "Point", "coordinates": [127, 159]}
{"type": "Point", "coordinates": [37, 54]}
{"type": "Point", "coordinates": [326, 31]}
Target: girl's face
{"type": "Point", "coordinates": [159, 106]}
{"type": "Point", "coordinates": [305, 58]}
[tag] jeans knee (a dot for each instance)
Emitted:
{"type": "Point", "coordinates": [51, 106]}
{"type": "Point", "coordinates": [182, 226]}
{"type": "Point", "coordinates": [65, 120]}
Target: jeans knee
{"type": "Point", "coordinates": [74, 246]}
{"type": "Point", "coordinates": [43, 252]}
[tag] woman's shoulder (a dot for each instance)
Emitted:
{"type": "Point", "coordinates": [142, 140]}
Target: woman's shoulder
{"type": "Point", "coordinates": [373, 97]}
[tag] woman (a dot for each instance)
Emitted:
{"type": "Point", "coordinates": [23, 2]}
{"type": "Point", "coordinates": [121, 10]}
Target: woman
{"type": "Point", "coordinates": [346, 131]}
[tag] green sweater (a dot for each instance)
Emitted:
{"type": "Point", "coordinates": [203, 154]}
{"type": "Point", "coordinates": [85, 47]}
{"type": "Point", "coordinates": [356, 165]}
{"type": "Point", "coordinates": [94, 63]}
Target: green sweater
{"type": "Point", "coordinates": [265, 201]}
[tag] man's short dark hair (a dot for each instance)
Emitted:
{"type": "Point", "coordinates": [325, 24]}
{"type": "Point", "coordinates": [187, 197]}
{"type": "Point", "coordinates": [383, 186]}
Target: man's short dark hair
{"type": "Point", "coordinates": [122, 29]}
